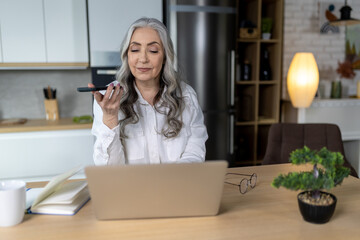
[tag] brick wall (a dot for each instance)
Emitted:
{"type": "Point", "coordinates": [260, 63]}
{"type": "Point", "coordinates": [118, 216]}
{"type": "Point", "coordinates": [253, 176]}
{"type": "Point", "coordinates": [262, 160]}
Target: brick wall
{"type": "Point", "coordinates": [302, 34]}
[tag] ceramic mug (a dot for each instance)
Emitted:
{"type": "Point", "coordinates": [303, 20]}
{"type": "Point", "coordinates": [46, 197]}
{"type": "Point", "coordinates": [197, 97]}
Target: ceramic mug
{"type": "Point", "coordinates": [12, 202]}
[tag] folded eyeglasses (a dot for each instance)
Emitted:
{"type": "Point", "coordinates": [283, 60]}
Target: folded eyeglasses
{"type": "Point", "coordinates": [245, 182]}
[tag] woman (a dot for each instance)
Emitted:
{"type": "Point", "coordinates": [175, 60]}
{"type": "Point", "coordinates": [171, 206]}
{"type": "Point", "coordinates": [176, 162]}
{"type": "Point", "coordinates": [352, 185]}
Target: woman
{"type": "Point", "coordinates": [153, 117]}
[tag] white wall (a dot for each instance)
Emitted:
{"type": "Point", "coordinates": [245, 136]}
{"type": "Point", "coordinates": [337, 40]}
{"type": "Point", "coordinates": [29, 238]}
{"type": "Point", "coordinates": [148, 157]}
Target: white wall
{"type": "Point", "coordinates": [302, 34]}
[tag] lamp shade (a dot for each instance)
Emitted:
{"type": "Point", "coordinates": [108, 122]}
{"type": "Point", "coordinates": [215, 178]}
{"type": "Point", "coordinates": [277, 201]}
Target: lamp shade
{"type": "Point", "coordinates": [302, 79]}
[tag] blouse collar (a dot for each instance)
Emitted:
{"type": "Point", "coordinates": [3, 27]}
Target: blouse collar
{"type": "Point", "coordinates": [143, 101]}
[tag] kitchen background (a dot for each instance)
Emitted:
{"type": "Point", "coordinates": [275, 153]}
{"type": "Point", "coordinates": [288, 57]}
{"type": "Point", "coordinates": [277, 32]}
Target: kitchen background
{"type": "Point", "coordinates": [21, 90]}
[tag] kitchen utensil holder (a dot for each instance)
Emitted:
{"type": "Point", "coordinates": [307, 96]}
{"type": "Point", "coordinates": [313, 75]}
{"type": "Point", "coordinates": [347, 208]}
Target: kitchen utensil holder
{"type": "Point", "coordinates": [51, 109]}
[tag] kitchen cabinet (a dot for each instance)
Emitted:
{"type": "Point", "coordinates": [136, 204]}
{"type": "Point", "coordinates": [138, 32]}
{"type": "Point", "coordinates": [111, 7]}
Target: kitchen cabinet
{"type": "Point", "coordinates": [66, 31]}
{"type": "Point", "coordinates": [1, 53]}
{"type": "Point", "coordinates": [109, 21]}
{"type": "Point", "coordinates": [43, 33]}
{"type": "Point", "coordinates": [257, 100]}
{"type": "Point", "coordinates": [40, 155]}
{"type": "Point", "coordinates": [22, 31]}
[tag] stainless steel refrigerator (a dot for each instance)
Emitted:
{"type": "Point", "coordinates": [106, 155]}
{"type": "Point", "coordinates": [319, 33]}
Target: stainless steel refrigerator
{"type": "Point", "coordinates": [203, 32]}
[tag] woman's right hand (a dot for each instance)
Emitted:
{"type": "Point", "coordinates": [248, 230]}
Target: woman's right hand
{"type": "Point", "coordinates": [109, 103]}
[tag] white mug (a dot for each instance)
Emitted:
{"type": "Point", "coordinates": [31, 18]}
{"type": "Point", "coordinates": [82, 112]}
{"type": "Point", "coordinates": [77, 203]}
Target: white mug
{"type": "Point", "coordinates": [12, 202]}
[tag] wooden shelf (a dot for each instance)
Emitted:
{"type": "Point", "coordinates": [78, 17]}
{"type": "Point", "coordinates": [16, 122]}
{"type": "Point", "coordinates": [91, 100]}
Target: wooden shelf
{"type": "Point", "coordinates": [257, 102]}
{"type": "Point", "coordinates": [239, 123]}
{"type": "Point", "coordinates": [269, 40]}
{"type": "Point", "coordinates": [245, 82]}
{"type": "Point", "coordinates": [257, 40]}
{"type": "Point", "coordinates": [267, 121]}
{"type": "Point", "coordinates": [269, 82]}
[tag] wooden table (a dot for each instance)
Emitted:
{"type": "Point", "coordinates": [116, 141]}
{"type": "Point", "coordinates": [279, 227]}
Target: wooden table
{"type": "Point", "coordinates": [262, 213]}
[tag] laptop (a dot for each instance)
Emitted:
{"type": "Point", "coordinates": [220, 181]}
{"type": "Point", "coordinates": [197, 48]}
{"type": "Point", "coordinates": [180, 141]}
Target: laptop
{"type": "Point", "coordinates": [156, 191]}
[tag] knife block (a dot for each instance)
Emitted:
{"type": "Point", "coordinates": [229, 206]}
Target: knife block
{"type": "Point", "coordinates": [51, 109]}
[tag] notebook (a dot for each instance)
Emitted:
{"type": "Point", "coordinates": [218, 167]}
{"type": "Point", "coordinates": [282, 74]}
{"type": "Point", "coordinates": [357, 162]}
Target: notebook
{"type": "Point", "coordinates": [156, 191]}
{"type": "Point", "coordinates": [58, 197]}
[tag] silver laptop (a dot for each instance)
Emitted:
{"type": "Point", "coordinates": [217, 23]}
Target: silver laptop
{"type": "Point", "coordinates": [155, 191]}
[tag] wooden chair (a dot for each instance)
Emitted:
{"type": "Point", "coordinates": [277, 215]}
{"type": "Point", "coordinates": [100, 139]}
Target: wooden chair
{"type": "Point", "coordinates": [284, 138]}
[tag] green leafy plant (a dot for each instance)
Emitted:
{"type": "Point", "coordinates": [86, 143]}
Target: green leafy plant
{"type": "Point", "coordinates": [331, 175]}
{"type": "Point", "coordinates": [266, 25]}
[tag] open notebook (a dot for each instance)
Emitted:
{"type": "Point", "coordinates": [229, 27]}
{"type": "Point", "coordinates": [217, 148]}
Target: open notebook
{"type": "Point", "coordinates": [159, 190]}
{"type": "Point", "coordinates": [58, 197]}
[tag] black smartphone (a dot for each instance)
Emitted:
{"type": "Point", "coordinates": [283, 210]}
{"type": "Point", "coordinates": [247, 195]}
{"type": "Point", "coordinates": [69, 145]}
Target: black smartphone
{"type": "Point", "coordinates": [87, 89]}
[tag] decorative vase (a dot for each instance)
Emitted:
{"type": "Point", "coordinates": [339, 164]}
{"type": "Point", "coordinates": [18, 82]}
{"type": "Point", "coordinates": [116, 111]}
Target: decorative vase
{"type": "Point", "coordinates": [316, 213]}
{"type": "Point", "coordinates": [336, 89]}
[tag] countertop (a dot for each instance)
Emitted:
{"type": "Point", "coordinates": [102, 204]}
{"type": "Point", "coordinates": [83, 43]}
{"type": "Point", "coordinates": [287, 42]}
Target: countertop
{"type": "Point", "coordinates": [33, 125]}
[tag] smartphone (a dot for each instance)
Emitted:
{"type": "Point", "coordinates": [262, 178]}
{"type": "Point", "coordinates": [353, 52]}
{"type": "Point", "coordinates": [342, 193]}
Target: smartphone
{"type": "Point", "coordinates": [87, 89]}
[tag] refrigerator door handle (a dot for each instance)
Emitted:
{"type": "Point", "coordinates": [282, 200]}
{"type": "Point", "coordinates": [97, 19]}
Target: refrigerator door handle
{"type": "Point", "coordinates": [232, 101]}
{"type": "Point", "coordinates": [231, 150]}
{"type": "Point", "coordinates": [232, 78]}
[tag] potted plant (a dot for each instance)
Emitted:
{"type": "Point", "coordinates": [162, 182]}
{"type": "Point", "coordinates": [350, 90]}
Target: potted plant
{"type": "Point", "coordinates": [266, 26]}
{"type": "Point", "coordinates": [315, 205]}
{"type": "Point", "coordinates": [346, 71]}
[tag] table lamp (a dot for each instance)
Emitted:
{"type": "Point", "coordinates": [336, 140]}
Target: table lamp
{"type": "Point", "coordinates": [302, 79]}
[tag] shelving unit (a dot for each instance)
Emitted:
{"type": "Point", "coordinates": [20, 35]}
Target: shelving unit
{"type": "Point", "coordinates": [257, 101]}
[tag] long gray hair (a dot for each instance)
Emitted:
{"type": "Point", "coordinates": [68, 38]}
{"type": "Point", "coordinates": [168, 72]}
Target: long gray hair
{"type": "Point", "coordinates": [169, 77]}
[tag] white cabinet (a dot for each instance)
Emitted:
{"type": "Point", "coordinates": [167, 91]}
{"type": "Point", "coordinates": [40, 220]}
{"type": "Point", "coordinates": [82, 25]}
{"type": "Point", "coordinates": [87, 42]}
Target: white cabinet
{"type": "Point", "coordinates": [109, 21]}
{"type": "Point", "coordinates": [44, 32]}
{"type": "Point", "coordinates": [38, 156]}
{"type": "Point", "coordinates": [66, 31]}
{"type": "Point", "coordinates": [1, 53]}
{"type": "Point", "coordinates": [22, 31]}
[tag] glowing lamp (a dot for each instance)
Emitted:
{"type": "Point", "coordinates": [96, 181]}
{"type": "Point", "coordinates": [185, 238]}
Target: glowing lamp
{"type": "Point", "coordinates": [302, 79]}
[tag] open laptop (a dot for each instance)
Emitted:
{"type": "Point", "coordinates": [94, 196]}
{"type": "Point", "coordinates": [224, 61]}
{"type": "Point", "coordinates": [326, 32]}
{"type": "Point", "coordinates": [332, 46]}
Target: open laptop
{"type": "Point", "coordinates": [155, 191]}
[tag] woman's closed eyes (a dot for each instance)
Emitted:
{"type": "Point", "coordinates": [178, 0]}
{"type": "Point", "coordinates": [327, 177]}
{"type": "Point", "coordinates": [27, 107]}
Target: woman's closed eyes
{"type": "Point", "coordinates": [150, 50]}
{"type": "Point", "coordinates": [154, 51]}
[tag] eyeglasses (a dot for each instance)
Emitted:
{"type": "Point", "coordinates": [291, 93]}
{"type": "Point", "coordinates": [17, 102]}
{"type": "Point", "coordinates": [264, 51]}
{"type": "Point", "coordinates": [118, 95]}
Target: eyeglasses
{"type": "Point", "coordinates": [244, 183]}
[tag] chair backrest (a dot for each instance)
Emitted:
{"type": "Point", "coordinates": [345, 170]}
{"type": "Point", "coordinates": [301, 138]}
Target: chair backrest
{"type": "Point", "coordinates": [284, 138]}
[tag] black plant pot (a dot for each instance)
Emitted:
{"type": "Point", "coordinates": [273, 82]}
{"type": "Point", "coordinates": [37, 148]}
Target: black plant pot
{"type": "Point", "coordinates": [317, 214]}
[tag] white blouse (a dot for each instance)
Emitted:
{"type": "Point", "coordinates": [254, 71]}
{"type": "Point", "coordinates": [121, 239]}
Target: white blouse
{"type": "Point", "coordinates": [144, 143]}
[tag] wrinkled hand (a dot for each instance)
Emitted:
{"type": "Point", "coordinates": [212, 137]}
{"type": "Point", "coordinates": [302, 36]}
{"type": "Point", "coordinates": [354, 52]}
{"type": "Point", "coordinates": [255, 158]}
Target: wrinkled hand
{"type": "Point", "coordinates": [109, 103]}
